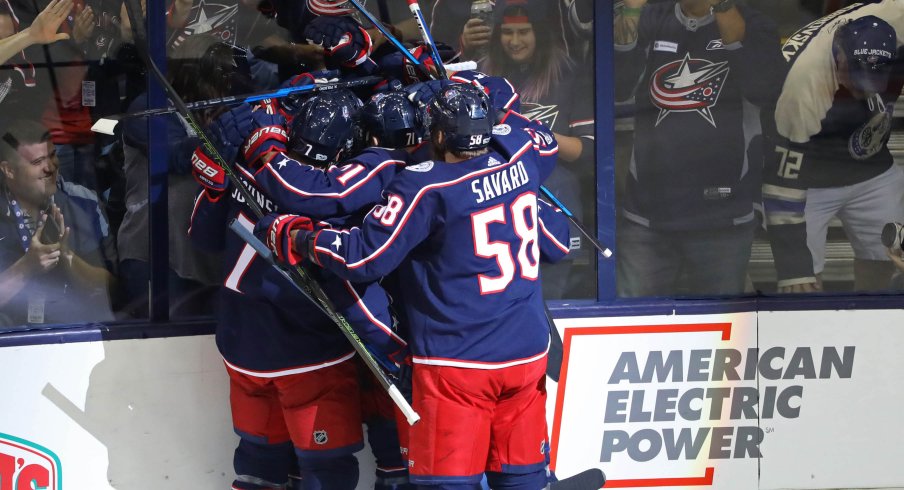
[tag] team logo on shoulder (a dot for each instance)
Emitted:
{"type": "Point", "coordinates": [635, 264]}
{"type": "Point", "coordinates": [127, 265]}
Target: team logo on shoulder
{"type": "Point", "coordinates": [320, 437]}
{"type": "Point", "coordinates": [688, 85]}
{"type": "Point", "coordinates": [502, 129]}
{"type": "Point", "coordinates": [421, 167]}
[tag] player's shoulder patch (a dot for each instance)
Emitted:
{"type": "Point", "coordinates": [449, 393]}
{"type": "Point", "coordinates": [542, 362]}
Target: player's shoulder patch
{"type": "Point", "coordinates": [421, 167]}
{"type": "Point", "coordinates": [502, 129]}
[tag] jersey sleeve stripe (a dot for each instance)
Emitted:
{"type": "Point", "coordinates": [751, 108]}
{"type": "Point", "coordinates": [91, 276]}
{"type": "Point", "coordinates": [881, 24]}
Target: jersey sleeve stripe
{"type": "Point", "coordinates": [395, 233]}
{"type": "Point", "coordinates": [243, 263]}
{"type": "Point", "coordinates": [246, 173]}
{"type": "Point", "coordinates": [370, 316]}
{"type": "Point", "coordinates": [331, 195]}
{"type": "Point", "coordinates": [784, 193]}
{"type": "Point", "coordinates": [552, 237]}
{"type": "Point", "coordinates": [287, 372]}
{"type": "Point", "coordinates": [194, 209]}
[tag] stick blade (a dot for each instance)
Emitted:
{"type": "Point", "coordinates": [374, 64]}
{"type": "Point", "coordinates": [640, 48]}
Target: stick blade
{"type": "Point", "coordinates": [105, 125]}
{"type": "Point", "coordinates": [461, 66]}
{"type": "Point", "coordinates": [592, 479]}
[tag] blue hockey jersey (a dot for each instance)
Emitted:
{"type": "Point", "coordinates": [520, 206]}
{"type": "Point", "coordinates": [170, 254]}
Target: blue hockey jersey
{"type": "Point", "coordinates": [336, 191]}
{"type": "Point", "coordinates": [265, 326]}
{"type": "Point", "coordinates": [464, 239]}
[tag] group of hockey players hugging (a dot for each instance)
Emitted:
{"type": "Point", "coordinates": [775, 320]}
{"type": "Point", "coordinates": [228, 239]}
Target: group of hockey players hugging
{"type": "Point", "coordinates": [413, 203]}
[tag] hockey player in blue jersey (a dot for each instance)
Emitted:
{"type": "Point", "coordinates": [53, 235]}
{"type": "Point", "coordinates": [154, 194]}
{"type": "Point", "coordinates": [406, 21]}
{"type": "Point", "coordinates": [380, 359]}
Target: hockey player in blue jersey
{"type": "Point", "coordinates": [293, 381]}
{"type": "Point", "coordinates": [463, 232]}
{"type": "Point", "coordinates": [308, 177]}
{"type": "Point", "coordinates": [322, 176]}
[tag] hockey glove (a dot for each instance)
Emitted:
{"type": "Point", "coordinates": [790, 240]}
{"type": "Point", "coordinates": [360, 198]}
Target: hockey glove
{"type": "Point", "coordinates": [269, 136]}
{"type": "Point", "coordinates": [423, 93]}
{"type": "Point", "coordinates": [209, 174]}
{"type": "Point", "coordinates": [345, 42]}
{"type": "Point", "coordinates": [275, 230]}
{"type": "Point", "coordinates": [227, 133]}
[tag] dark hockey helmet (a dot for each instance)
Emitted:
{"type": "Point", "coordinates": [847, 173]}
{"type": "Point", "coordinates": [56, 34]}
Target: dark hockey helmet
{"type": "Point", "coordinates": [394, 120]}
{"type": "Point", "coordinates": [503, 97]}
{"type": "Point", "coordinates": [462, 112]}
{"type": "Point", "coordinates": [325, 129]}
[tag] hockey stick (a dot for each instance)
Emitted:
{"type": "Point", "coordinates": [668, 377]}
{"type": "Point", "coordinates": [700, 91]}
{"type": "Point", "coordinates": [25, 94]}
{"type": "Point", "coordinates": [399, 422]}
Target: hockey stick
{"type": "Point", "coordinates": [106, 125]}
{"type": "Point", "coordinates": [298, 275]}
{"type": "Point", "coordinates": [592, 479]}
{"type": "Point", "coordinates": [426, 37]}
{"type": "Point", "coordinates": [248, 237]}
{"type": "Point", "coordinates": [568, 214]}
{"type": "Point", "coordinates": [555, 355]}
{"type": "Point", "coordinates": [395, 42]}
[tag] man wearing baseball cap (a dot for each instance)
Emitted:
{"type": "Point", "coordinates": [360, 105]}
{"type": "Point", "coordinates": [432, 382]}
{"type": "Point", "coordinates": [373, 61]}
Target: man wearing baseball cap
{"type": "Point", "coordinates": [865, 50]}
{"type": "Point", "coordinates": [829, 156]}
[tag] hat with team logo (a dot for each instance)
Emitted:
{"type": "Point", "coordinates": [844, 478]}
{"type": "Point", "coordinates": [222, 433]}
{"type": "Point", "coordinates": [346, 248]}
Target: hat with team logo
{"type": "Point", "coordinates": [870, 45]}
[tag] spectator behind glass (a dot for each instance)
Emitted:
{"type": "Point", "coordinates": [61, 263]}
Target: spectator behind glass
{"type": "Point", "coordinates": [59, 98]}
{"type": "Point", "coordinates": [193, 73]}
{"type": "Point", "coordinates": [55, 253]}
{"type": "Point", "coordinates": [697, 70]}
{"type": "Point", "coordinates": [830, 155]}
{"type": "Point", "coordinates": [530, 52]}
{"type": "Point", "coordinates": [42, 31]}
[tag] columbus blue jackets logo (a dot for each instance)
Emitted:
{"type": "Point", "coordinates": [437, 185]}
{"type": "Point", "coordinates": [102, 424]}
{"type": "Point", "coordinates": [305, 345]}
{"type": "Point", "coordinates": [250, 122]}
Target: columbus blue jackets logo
{"type": "Point", "coordinates": [688, 85]}
{"type": "Point", "coordinates": [208, 17]}
{"type": "Point", "coordinates": [320, 437]}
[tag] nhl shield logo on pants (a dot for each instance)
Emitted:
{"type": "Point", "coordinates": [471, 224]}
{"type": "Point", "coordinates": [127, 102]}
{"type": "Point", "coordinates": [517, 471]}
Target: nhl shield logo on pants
{"type": "Point", "coordinates": [320, 437]}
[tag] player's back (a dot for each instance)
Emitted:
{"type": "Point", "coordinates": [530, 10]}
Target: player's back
{"type": "Point", "coordinates": [473, 291]}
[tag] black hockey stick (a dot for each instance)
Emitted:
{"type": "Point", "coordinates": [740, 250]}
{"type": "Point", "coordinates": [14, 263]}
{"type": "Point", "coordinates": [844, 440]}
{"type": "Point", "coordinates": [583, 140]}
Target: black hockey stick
{"type": "Point", "coordinates": [106, 125]}
{"type": "Point", "coordinates": [577, 224]}
{"type": "Point", "coordinates": [556, 353]}
{"type": "Point", "coordinates": [592, 479]}
{"type": "Point", "coordinates": [298, 275]}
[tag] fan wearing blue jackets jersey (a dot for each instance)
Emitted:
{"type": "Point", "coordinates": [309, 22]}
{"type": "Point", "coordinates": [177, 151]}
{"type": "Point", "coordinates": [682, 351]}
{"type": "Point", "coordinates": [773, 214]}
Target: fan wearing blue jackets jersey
{"type": "Point", "coordinates": [463, 233]}
{"type": "Point", "coordinates": [295, 391]}
{"type": "Point", "coordinates": [700, 71]}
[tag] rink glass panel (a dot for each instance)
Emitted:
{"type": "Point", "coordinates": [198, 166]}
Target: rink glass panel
{"type": "Point", "coordinates": [638, 186]}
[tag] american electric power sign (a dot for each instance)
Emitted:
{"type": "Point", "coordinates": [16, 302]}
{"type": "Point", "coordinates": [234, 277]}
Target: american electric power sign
{"type": "Point", "coordinates": [669, 405]}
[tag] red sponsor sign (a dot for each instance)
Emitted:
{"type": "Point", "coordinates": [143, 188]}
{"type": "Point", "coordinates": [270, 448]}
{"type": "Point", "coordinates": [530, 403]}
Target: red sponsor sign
{"type": "Point", "coordinates": [25, 465]}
